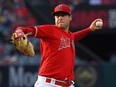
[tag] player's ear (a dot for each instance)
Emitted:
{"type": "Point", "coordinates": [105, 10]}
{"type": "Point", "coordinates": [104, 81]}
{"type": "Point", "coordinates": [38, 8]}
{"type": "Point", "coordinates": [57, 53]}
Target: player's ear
{"type": "Point", "coordinates": [70, 17]}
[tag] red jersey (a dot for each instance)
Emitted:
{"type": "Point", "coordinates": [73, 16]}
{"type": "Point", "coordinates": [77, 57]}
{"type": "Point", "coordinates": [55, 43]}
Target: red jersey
{"type": "Point", "coordinates": [57, 50]}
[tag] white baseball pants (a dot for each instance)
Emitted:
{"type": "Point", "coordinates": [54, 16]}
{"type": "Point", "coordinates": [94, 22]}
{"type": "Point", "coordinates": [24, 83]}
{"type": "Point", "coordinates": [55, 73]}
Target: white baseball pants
{"type": "Point", "coordinates": [41, 82]}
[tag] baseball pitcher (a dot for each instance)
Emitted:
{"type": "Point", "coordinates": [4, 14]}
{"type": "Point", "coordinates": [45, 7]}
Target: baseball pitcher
{"type": "Point", "coordinates": [57, 47]}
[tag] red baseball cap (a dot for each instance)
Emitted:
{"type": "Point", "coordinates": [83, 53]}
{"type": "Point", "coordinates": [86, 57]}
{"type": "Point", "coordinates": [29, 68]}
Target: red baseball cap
{"type": "Point", "coordinates": [62, 8]}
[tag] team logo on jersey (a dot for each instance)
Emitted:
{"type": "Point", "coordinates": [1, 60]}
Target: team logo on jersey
{"type": "Point", "coordinates": [64, 43]}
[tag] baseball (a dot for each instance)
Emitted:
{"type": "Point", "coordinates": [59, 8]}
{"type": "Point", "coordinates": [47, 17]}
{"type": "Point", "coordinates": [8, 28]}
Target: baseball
{"type": "Point", "coordinates": [99, 23]}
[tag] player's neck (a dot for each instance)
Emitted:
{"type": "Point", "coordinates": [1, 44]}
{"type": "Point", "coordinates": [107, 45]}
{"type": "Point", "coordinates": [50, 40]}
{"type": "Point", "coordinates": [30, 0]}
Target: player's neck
{"type": "Point", "coordinates": [66, 29]}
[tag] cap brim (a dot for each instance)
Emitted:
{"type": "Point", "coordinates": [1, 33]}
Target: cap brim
{"type": "Point", "coordinates": [54, 13]}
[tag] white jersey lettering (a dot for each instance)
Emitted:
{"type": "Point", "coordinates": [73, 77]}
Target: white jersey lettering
{"type": "Point", "coordinates": [64, 43]}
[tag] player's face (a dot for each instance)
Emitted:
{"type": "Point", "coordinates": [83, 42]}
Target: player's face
{"type": "Point", "coordinates": [63, 20]}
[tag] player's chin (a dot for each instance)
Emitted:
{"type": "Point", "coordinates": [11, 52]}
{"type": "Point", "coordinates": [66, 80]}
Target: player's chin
{"type": "Point", "coordinates": [62, 26]}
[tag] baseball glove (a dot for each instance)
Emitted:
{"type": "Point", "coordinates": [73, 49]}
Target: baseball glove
{"type": "Point", "coordinates": [22, 43]}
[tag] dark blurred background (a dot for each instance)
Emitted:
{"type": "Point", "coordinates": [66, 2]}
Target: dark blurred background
{"type": "Point", "coordinates": [95, 60]}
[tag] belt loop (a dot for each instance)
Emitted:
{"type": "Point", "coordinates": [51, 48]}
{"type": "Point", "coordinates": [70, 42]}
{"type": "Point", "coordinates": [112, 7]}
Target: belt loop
{"type": "Point", "coordinates": [52, 81]}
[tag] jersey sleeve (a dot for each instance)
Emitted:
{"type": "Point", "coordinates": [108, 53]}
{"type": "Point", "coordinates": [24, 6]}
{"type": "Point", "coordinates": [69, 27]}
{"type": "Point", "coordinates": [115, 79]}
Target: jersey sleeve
{"type": "Point", "coordinates": [38, 31]}
{"type": "Point", "coordinates": [81, 34]}
{"type": "Point", "coordinates": [43, 31]}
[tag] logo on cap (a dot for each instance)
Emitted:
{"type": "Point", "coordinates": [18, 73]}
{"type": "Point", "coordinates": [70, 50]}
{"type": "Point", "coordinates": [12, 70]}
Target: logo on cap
{"type": "Point", "coordinates": [60, 7]}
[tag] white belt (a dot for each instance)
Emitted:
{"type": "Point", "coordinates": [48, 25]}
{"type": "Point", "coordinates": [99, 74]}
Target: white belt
{"type": "Point", "coordinates": [53, 81]}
